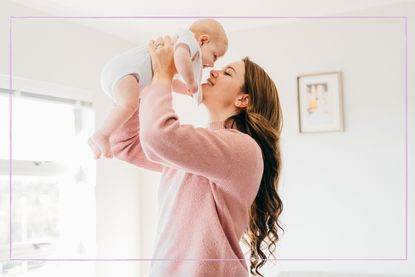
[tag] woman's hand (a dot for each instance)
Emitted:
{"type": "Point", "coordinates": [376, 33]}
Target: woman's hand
{"type": "Point", "coordinates": [161, 52]}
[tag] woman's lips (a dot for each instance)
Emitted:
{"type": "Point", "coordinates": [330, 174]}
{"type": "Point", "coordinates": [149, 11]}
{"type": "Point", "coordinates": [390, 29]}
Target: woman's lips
{"type": "Point", "coordinates": [208, 82]}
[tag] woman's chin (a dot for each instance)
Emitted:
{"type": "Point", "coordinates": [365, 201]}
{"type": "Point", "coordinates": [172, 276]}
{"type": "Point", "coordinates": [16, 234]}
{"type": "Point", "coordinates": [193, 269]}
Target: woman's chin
{"type": "Point", "coordinates": [205, 93]}
{"type": "Point", "coordinates": [205, 87]}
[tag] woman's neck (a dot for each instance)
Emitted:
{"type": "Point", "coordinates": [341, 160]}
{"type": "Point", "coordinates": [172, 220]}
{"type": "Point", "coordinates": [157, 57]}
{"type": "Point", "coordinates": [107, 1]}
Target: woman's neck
{"type": "Point", "coordinates": [220, 116]}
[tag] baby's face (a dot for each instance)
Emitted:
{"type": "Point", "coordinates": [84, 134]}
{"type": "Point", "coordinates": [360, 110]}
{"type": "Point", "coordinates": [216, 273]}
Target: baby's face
{"type": "Point", "coordinates": [211, 52]}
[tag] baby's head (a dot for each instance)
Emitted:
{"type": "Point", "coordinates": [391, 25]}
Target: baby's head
{"type": "Point", "coordinates": [212, 40]}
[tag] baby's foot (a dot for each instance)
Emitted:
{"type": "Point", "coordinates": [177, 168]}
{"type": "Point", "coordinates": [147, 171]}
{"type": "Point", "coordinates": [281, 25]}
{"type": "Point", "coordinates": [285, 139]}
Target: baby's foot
{"type": "Point", "coordinates": [102, 143]}
{"type": "Point", "coordinates": [94, 147]}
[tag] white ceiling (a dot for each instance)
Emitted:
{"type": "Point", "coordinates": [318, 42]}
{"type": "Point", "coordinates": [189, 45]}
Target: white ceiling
{"type": "Point", "coordinates": [138, 30]}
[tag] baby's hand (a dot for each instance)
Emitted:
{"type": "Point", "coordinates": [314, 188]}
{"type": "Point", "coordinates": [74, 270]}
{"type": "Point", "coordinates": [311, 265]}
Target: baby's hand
{"type": "Point", "coordinates": [180, 87]}
{"type": "Point", "coordinates": [192, 88]}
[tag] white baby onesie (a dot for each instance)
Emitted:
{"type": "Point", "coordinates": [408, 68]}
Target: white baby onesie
{"type": "Point", "coordinates": [137, 61]}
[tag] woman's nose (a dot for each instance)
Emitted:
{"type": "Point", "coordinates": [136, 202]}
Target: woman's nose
{"type": "Point", "coordinates": [214, 73]}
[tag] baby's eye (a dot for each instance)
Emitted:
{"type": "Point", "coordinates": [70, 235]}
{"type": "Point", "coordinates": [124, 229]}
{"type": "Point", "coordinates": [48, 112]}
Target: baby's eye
{"type": "Point", "coordinates": [226, 73]}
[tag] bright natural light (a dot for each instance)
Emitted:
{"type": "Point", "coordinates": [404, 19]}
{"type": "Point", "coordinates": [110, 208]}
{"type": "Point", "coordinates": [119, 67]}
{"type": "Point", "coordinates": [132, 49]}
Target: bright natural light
{"type": "Point", "coordinates": [53, 186]}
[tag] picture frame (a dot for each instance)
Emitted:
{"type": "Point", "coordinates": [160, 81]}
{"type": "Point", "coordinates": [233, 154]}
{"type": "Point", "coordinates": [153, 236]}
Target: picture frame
{"type": "Point", "coordinates": [320, 102]}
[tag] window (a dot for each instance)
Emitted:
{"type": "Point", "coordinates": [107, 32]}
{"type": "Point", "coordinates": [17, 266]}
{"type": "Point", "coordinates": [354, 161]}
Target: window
{"type": "Point", "coordinates": [53, 184]}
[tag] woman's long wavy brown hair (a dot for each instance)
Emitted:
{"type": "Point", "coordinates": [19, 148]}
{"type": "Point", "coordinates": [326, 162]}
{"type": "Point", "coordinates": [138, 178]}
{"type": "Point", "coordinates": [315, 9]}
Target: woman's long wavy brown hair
{"type": "Point", "coordinates": [262, 120]}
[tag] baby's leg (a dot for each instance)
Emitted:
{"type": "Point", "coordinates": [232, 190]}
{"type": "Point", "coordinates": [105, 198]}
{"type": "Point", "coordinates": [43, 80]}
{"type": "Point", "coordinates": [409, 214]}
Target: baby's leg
{"type": "Point", "coordinates": [126, 95]}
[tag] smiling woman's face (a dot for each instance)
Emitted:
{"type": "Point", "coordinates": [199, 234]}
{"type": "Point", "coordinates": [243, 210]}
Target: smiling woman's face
{"type": "Point", "coordinates": [222, 88]}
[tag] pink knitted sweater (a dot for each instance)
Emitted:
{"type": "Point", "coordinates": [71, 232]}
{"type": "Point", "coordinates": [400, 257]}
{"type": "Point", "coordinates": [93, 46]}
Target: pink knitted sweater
{"type": "Point", "coordinates": [209, 179]}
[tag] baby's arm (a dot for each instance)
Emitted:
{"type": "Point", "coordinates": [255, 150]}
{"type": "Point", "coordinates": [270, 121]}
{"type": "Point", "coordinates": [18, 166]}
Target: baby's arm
{"type": "Point", "coordinates": [183, 63]}
{"type": "Point", "coordinates": [180, 87]}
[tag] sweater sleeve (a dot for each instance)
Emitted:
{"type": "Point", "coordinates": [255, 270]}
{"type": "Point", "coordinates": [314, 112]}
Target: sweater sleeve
{"type": "Point", "coordinates": [126, 145]}
{"type": "Point", "coordinates": [214, 154]}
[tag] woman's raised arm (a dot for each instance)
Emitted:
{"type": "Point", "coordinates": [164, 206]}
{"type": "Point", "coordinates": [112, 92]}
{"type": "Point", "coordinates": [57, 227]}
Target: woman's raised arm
{"type": "Point", "coordinates": [125, 141]}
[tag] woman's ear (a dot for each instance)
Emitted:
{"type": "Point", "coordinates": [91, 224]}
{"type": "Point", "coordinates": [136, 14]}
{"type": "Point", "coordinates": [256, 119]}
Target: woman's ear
{"type": "Point", "coordinates": [203, 39]}
{"type": "Point", "coordinates": [242, 101]}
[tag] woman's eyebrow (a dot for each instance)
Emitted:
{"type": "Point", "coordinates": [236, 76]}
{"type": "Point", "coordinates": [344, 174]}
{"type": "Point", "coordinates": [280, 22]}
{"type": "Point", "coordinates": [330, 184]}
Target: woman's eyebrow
{"type": "Point", "coordinates": [230, 68]}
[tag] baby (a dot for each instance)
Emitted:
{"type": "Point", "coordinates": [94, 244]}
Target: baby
{"type": "Point", "coordinates": [195, 48]}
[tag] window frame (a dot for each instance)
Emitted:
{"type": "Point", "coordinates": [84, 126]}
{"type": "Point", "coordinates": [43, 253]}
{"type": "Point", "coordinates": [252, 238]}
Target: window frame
{"type": "Point", "coordinates": [44, 91]}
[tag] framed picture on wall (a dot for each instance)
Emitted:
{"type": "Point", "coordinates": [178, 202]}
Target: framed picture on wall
{"type": "Point", "coordinates": [320, 102]}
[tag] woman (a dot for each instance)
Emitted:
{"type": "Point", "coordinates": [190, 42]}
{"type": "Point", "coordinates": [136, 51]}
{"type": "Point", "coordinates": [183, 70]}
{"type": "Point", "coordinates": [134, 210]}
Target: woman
{"type": "Point", "coordinates": [217, 183]}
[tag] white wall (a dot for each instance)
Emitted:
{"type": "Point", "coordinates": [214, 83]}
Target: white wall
{"type": "Point", "coordinates": [343, 192]}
